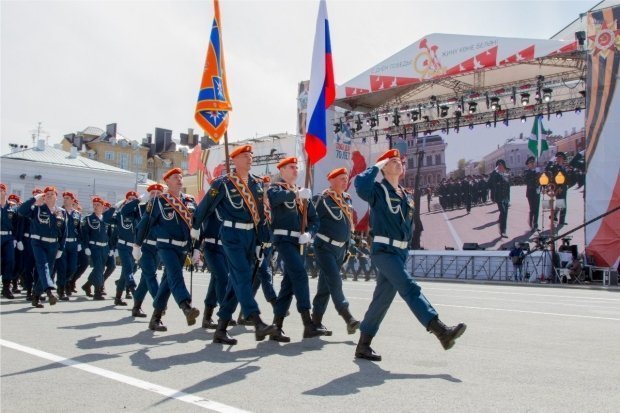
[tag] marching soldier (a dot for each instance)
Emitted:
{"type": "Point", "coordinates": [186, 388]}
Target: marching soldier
{"type": "Point", "coordinates": [8, 222]}
{"type": "Point", "coordinates": [170, 219]}
{"type": "Point", "coordinates": [47, 238]}
{"type": "Point", "coordinates": [532, 191]}
{"type": "Point", "coordinates": [391, 220]}
{"type": "Point", "coordinates": [335, 212]}
{"type": "Point", "coordinates": [28, 264]}
{"type": "Point", "coordinates": [66, 265]}
{"type": "Point", "coordinates": [124, 222]}
{"type": "Point", "coordinates": [287, 208]}
{"type": "Point", "coordinates": [148, 259]}
{"type": "Point", "coordinates": [500, 193]}
{"type": "Point", "coordinates": [95, 239]}
{"type": "Point", "coordinates": [238, 198]}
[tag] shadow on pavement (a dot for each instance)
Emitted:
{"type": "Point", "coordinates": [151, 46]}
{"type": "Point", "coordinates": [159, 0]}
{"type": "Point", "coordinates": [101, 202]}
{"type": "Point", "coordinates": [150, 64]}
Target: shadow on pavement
{"type": "Point", "coordinates": [370, 375]}
{"type": "Point", "coordinates": [483, 226]}
{"type": "Point", "coordinates": [146, 338]}
{"type": "Point", "coordinates": [89, 326]}
{"type": "Point", "coordinates": [86, 358]}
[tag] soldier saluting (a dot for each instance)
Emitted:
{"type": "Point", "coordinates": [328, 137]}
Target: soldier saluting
{"type": "Point", "coordinates": [391, 220]}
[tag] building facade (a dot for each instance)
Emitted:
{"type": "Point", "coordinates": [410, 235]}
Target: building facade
{"type": "Point", "coordinates": [515, 152]}
{"type": "Point", "coordinates": [433, 166]}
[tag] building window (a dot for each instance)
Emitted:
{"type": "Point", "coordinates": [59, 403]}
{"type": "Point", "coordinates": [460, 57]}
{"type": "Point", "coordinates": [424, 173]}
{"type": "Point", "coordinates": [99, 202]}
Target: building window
{"type": "Point", "coordinates": [429, 160]}
{"type": "Point", "coordinates": [410, 163]}
{"type": "Point", "coordinates": [109, 155]}
{"type": "Point", "coordinates": [123, 160]}
{"type": "Point", "coordinates": [438, 159]}
{"type": "Point", "coordinates": [137, 160]}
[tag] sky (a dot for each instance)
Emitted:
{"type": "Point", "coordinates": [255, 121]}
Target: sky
{"type": "Point", "coordinates": [74, 64]}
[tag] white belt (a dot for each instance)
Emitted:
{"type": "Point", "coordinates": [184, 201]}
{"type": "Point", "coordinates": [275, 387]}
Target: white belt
{"type": "Point", "coordinates": [239, 225]}
{"type": "Point", "coordinates": [123, 242]}
{"type": "Point", "coordinates": [5, 232]}
{"type": "Point", "coordinates": [213, 241]}
{"type": "Point", "coordinates": [172, 241]}
{"type": "Point", "coordinates": [330, 241]}
{"type": "Point", "coordinates": [393, 242]}
{"type": "Point", "coordinates": [150, 242]}
{"type": "Point", "coordinates": [99, 244]}
{"type": "Point", "coordinates": [71, 240]}
{"type": "Point", "coordinates": [46, 239]}
{"type": "Point", "coordinates": [266, 244]}
{"type": "Point", "coordinates": [286, 232]}
{"type": "Point", "coordinates": [27, 235]}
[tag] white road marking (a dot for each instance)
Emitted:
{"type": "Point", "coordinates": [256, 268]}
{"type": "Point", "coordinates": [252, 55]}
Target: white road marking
{"type": "Point", "coordinates": [453, 232]}
{"type": "Point", "coordinates": [141, 384]}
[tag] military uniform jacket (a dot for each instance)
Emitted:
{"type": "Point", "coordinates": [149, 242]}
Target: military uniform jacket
{"type": "Point", "coordinates": [390, 215]}
{"type": "Point", "coordinates": [165, 221]}
{"type": "Point", "coordinates": [333, 221]}
{"type": "Point", "coordinates": [8, 219]}
{"type": "Point", "coordinates": [45, 223]}
{"type": "Point", "coordinates": [73, 225]}
{"type": "Point", "coordinates": [224, 197]}
{"type": "Point", "coordinates": [143, 210]}
{"type": "Point", "coordinates": [286, 214]}
{"type": "Point", "coordinates": [126, 219]}
{"type": "Point", "coordinates": [561, 190]}
{"type": "Point", "coordinates": [530, 176]}
{"type": "Point", "coordinates": [95, 231]}
{"type": "Point", "coordinates": [500, 187]}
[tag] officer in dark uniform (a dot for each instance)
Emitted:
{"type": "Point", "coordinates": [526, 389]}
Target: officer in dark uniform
{"type": "Point", "coordinates": [391, 220]}
{"type": "Point", "coordinates": [125, 225]}
{"type": "Point", "coordinates": [532, 191]}
{"type": "Point", "coordinates": [95, 239]}
{"type": "Point", "coordinates": [67, 264]}
{"type": "Point", "coordinates": [170, 220]}
{"type": "Point", "coordinates": [16, 201]}
{"type": "Point", "coordinates": [47, 235]}
{"type": "Point", "coordinates": [8, 222]}
{"type": "Point", "coordinates": [238, 198]}
{"type": "Point", "coordinates": [499, 183]}
{"type": "Point", "coordinates": [148, 259]}
{"type": "Point", "coordinates": [466, 192]}
{"type": "Point", "coordinates": [110, 261]}
{"type": "Point", "coordinates": [561, 191]}
{"type": "Point", "coordinates": [335, 211]}
{"type": "Point", "coordinates": [28, 263]}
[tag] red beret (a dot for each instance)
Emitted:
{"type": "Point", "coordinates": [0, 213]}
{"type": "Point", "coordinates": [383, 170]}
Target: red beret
{"type": "Point", "coordinates": [240, 149]}
{"type": "Point", "coordinates": [69, 194]}
{"type": "Point", "coordinates": [155, 187]}
{"type": "Point", "coordinates": [99, 200]}
{"type": "Point", "coordinates": [107, 204]}
{"type": "Point", "coordinates": [335, 172]}
{"type": "Point", "coordinates": [37, 191]}
{"type": "Point", "coordinates": [14, 198]}
{"type": "Point", "coordinates": [3, 187]}
{"type": "Point", "coordinates": [50, 189]}
{"type": "Point", "coordinates": [286, 161]}
{"type": "Point", "coordinates": [131, 193]}
{"type": "Point", "coordinates": [172, 172]}
{"type": "Point", "coordinates": [392, 153]}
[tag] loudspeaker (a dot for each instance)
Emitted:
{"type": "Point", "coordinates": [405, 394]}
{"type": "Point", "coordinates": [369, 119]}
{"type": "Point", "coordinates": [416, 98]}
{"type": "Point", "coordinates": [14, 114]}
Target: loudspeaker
{"type": "Point", "coordinates": [471, 246]}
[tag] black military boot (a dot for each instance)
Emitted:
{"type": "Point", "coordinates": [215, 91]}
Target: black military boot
{"type": "Point", "coordinates": [136, 311]}
{"type": "Point", "coordinates": [35, 301]}
{"type": "Point", "coordinates": [191, 313]}
{"type": "Point", "coordinates": [50, 295]}
{"type": "Point", "coordinates": [29, 294]}
{"type": "Point", "coordinates": [352, 323]}
{"type": "Point", "coordinates": [446, 335]}
{"type": "Point", "coordinates": [207, 321]}
{"type": "Point", "coordinates": [86, 287]}
{"type": "Point", "coordinates": [6, 291]}
{"type": "Point", "coordinates": [242, 321]}
{"type": "Point", "coordinates": [128, 293]}
{"type": "Point", "coordinates": [363, 350]}
{"type": "Point", "coordinates": [72, 286]}
{"type": "Point", "coordinates": [155, 324]}
{"type": "Point", "coordinates": [310, 330]}
{"type": "Point", "coordinates": [279, 334]}
{"type": "Point", "coordinates": [118, 300]}
{"type": "Point", "coordinates": [221, 335]}
{"type": "Point", "coordinates": [68, 290]}
{"type": "Point", "coordinates": [98, 294]}
{"type": "Point", "coordinates": [15, 289]}
{"type": "Point", "coordinates": [317, 319]}
{"type": "Point", "coordinates": [262, 330]}
{"type": "Point", "coordinates": [61, 294]}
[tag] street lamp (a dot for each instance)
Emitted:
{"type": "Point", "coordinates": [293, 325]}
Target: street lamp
{"type": "Point", "coordinates": [551, 186]}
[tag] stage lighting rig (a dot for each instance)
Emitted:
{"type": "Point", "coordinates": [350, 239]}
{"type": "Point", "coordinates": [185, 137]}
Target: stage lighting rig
{"type": "Point", "coordinates": [546, 94]}
{"type": "Point", "coordinates": [472, 107]}
{"type": "Point", "coordinates": [525, 99]}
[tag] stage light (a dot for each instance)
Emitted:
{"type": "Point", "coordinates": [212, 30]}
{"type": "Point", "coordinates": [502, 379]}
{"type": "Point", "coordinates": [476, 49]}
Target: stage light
{"type": "Point", "coordinates": [444, 111]}
{"type": "Point", "coordinates": [546, 94]}
{"type": "Point", "coordinates": [495, 103]}
{"type": "Point", "coordinates": [22, 176]}
{"type": "Point", "coordinates": [458, 113]}
{"type": "Point", "coordinates": [426, 118]}
{"type": "Point", "coordinates": [580, 36]}
{"type": "Point", "coordinates": [433, 100]}
{"type": "Point", "coordinates": [543, 180]}
{"type": "Point", "coordinates": [525, 99]}
{"type": "Point", "coordinates": [488, 124]}
{"type": "Point", "coordinates": [558, 114]}
{"type": "Point", "coordinates": [577, 110]}
{"type": "Point", "coordinates": [472, 107]}
{"type": "Point", "coordinates": [358, 123]}
{"type": "Point", "coordinates": [506, 121]}
{"type": "Point", "coordinates": [414, 114]}
{"type": "Point", "coordinates": [376, 138]}
{"type": "Point", "coordinates": [396, 118]}
{"type": "Point", "coordinates": [523, 119]}
{"type": "Point", "coordinates": [560, 178]}
{"type": "Point", "coordinates": [582, 93]}
{"type": "Point", "coordinates": [373, 121]}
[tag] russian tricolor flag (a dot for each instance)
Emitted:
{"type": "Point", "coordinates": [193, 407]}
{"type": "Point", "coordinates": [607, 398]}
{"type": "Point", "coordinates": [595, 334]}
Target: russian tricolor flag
{"type": "Point", "coordinates": [322, 90]}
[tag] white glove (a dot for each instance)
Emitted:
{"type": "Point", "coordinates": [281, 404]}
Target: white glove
{"type": "Point", "coordinates": [20, 245]}
{"type": "Point", "coordinates": [305, 238]}
{"type": "Point", "coordinates": [14, 244]}
{"type": "Point", "coordinates": [87, 252]}
{"type": "Point", "coordinates": [38, 196]}
{"type": "Point", "coordinates": [259, 254]}
{"type": "Point", "coordinates": [136, 252]}
{"type": "Point", "coordinates": [305, 193]}
{"type": "Point", "coordinates": [196, 257]}
{"type": "Point", "coordinates": [111, 253]}
{"type": "Point", "coordinates": [58, 254]}
{"type": "Point", "coordinates": [382, 163]}
{"type": "Point", "coordinates": [194, 233]}
{"type": "Point", "coordinates": [116, 253]}
{"type": "Point", "coordinates": [119, 203]}
{"type": "Point", "coordinates": [79, 247]}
